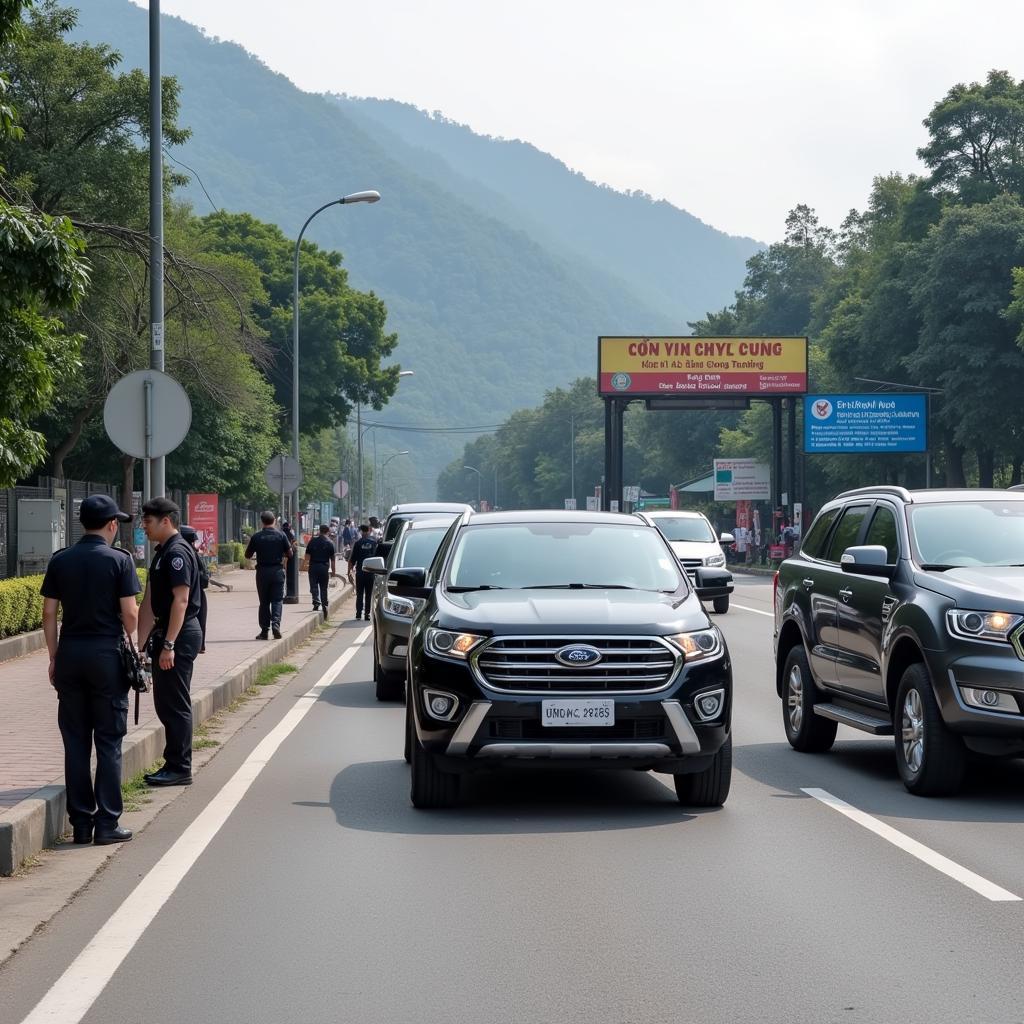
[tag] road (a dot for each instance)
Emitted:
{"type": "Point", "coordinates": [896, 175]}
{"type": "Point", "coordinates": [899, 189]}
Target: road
{"type": "Point", "coordinates": [588, 897]}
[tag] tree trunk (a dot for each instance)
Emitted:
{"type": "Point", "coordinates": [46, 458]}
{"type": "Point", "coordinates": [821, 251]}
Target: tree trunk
{"type": "Point", "coordinates": [986, 467]}
{"type": "Point", "coordinates": [1018, 460]}
{"type": "Point", "coordinates": [67, 446]}
{"type": "Point", "coordinates": [954, 465]}
{"type": "Point", "coordinates": [127, 487]}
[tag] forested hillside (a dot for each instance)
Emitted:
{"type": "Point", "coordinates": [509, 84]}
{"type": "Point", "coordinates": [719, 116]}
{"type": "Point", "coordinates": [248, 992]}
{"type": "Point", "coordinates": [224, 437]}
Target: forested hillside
{"type": "Point", "coordinates": [488, 315]}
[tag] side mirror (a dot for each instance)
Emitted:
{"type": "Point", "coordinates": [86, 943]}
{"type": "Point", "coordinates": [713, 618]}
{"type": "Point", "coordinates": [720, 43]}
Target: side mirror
{"type": "Point", "coordinates": [408, 583]}
{"type": "Point", "coordinates": [712, 583]}
{"type": "Point", "coordinates": [374, 566]}
{"type": "Point", "coordinates": [727, 538]}
{"type": "Point", "coordinates": [867, 560]}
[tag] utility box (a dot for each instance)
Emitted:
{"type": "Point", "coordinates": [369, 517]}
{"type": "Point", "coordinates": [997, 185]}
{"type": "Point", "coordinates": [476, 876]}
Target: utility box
{"type": "Point", "coordinates": [41, 532]}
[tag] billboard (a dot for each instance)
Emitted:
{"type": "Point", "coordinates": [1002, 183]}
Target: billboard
{"type": "Point", "coordinates": [202, 517]}
{"type": "Point", "coordinates": [686, 366]}
{"type": "Point", "coordinates": [866, 423]}
{"type": "Point", "coordinates": [742, 480]}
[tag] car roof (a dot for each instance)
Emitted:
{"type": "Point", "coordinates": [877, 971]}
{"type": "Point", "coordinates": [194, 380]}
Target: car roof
{"type": "Point", "coordinates": [554, 516]}
{"type": "Point", "coordinates": [932, 495]}
{"type": "Point", "coordinates": [672, 513]}
{"type": "Point", "coordinates": [428, 506]}
{"type": "Point", "coordinates": [426, 524]}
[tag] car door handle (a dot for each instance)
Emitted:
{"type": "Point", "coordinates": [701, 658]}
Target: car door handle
{"type": "Point", "coordinates": [846, 593]}
{"type": "Point", "coordinates": [808, 584]}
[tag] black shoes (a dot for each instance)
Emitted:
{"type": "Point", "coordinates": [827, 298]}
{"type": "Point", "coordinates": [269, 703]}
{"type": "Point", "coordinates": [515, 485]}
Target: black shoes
{"type": "Point", "coordinates": [263, 635]}
{"type": "Point", "coordinates": [367, 618]}
{"type": "Point", "coordinates": [83, 834]}
{"type": "Point", "coordinates": [277, 632]}
{"type": "Point", "coordinates": [168, 778]}
{"type": "Point", "coordinates": [316, 607]}
{"type": "Point", "coordinates": [116, 835]}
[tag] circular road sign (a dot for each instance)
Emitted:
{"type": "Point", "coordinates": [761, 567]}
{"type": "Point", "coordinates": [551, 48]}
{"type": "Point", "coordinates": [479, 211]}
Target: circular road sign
{"type": "Point", "coordinates": [284, 474]}
{"type": "Point", "coordinates": [124, 413]}
{"type": "Point", "coordinates": [340, 489]}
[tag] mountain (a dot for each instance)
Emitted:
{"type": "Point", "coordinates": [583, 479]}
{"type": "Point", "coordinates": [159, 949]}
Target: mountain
{"type": "Point", "coordinates": [493, 303]}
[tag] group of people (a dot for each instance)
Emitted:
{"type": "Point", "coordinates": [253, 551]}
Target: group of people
{"type": "Point", "coordinates": [94, 587]}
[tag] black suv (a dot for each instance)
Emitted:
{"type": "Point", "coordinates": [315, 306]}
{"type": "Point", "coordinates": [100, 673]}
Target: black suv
{"type": "Point", "coordinates": [563, 638]}
{"type": "Point", "coordinates": [904, 612]}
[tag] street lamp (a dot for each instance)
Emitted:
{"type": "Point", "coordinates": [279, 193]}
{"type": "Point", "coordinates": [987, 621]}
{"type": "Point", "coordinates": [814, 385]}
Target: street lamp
{"type": "Point", "coordinates": [355, 197]}
{"type": "Point", "coordinates": [383, 464]}
{"type": "Point", "coordinates": [479, 477]}
{"type": "Point", "coordinates": [359, 441]}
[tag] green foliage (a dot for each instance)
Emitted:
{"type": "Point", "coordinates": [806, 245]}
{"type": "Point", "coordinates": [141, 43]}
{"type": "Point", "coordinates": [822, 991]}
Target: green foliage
{"type": "Point", "coordinates": [232, 553]}
{"type": "Point", "coordinates": [21, 605]}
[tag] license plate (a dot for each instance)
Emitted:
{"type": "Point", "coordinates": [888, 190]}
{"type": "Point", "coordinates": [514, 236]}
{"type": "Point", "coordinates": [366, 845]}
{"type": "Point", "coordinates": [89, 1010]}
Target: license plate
{"type": "Point", "coordinates": [577, 712]}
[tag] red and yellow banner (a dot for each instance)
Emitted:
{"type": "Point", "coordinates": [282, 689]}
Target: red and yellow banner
{"type": "Point", "coordinates": [701, 366]}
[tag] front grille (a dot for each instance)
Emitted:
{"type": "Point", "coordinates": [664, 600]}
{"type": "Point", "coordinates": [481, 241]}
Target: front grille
{"type": "Point", "coordinates": [533, 729]}
{"type": "Point", "coordinates": [691, 565]}
{"type": "Point", "coordinates": [528, 665]}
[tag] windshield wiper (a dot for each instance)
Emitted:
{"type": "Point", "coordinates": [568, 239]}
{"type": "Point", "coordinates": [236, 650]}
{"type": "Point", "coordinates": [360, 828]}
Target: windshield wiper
{"type": "Point", "coordinates": [581, 586]}
{"type": "Point", "coordinates": [467, 590]}
{"type": "Point", "coordinates": [936, 567]}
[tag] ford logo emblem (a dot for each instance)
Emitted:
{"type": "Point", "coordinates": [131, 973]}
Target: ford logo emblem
{"type": "Point", "coordinates": [578, 656]}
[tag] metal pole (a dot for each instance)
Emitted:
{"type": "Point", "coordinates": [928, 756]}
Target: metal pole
{"type": "Point", "coordinates": [776, 454]}
{"type": "Point", "coordinates": [791, 481]}
{"type": "Point", "coordinates": [928, 440]}
{"type": "Point", "coordinates": [608, 440]}
{"type": "Point", "coordinates": [359, 457]}
{"type": "Point", "coordinates": [157, 467]}
{"type": "Point", "coordinates": [572, 456]}
{"type": "Point", "coordinates": [495, 485]}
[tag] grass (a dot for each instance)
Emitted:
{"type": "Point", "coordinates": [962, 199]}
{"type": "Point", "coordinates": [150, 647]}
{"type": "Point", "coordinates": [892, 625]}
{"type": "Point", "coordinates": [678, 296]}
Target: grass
{"type": "Point", "coordinates": [134, 791]}
{"type": "Point", "coordinates": [269, 673]}
{"type": "Point", "coordinates": [201, 738]}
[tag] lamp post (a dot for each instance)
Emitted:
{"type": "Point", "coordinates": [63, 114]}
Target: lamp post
{"type": "Point", "coordinates": [292, 596]}
{"type": "Point", "coordinates": [359, 441]}
{"type": "Point", "coordinates": [479, 478]}
{"type": "Point", "coordinates": [572, 457]}
{"type": "Point", "coordinates": [383, 464]}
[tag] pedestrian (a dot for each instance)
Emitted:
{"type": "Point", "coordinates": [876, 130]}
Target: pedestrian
{"type": "Point", "coordinates": [94, 585]}
{"type": "Point", "coordinates": [364, 548]}
{"type": "Point", "coordinates": [271, 549]}
{"type": "Point", "coordinates": [192, 537]}
{"type": "Point", "coordinates": [169, 629]}
{"type": "Point", "coordinates": [349, 535]}
{"type": "Point", "coordinates": [375, 528]}
{"type": "Point", "coordinates": [321, 553]}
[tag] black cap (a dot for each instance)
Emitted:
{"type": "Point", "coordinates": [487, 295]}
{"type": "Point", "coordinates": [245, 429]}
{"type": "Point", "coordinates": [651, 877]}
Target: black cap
{"type": "Point", "coordinates": [188, 533]}
{"type": "Point", "coordinates": [98, 509]}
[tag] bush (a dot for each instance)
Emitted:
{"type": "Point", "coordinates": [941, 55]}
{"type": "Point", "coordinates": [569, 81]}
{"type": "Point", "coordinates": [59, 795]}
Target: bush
{"type": "Point", "coordinates": [21, 605]}
{"type": "Point", "coordinates": [231, 553]}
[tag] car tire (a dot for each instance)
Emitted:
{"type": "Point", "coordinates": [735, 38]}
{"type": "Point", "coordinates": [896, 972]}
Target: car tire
{"type": "Point", "coordinates": [930, 758]}
{"type": "Point", "coordinates": [430, 788]}
{"type": "Point", "coordinates": [708, 788]}
{"type": "Point", "coordinates": [721, 605]}
{"type": "Point", "coordinates": [408, 731]}
{"type": "Point", "coordinates": [388, 684]}
{"type": "Point", "coordinates": [807, 732]}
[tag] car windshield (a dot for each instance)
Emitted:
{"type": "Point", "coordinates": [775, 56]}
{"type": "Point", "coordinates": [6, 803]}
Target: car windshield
{"type": "Point", "coordinates": [570, 554]}
{"type": "Point", "coordinates": [966, 533]}
{"type": "Point", "coordinates": [419, 548]}
{"type": "Point", "coordinates": [695, 529]}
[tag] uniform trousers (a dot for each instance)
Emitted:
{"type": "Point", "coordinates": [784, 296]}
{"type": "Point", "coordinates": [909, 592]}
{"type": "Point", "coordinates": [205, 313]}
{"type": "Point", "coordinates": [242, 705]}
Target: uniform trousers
{"type": "Point", "coordinates": [270, 589]}
{"type": "Point", "coordinates": [172, 698]}
{"type": "Point", "coordinates": [364, 586]}
{"type": "Point", "coordinates": [93, 709]}
{"type": "Point", "coordinates": [319, 574]}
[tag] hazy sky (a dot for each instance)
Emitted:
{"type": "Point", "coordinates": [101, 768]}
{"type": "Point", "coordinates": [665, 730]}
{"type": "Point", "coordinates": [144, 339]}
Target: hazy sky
{"type": "Point", "coordinates": [735, 110]}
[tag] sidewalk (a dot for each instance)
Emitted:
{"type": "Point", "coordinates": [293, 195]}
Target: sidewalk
{"type": "Point", "coordinates": [32, 813]}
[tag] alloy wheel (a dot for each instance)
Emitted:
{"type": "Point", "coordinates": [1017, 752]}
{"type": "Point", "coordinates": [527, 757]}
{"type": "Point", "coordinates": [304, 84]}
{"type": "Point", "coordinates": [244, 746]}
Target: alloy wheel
{"type": "Point", "coordinates": [913, 731]}
{"type": "Point", "coordinates": [795, 698]}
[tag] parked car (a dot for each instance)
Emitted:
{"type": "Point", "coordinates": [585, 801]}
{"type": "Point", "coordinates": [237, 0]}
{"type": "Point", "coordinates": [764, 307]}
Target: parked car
{"type": "Point", "coordinates": [693, 539]}
{"type": "Point", "coordinates": [563, 638]}
{"type": "Point", "coordinates": [411, 511]}
{"type": "Point", "coordinates": [903, 614]}
{"type": "Point", "coordinates": [416, 544]}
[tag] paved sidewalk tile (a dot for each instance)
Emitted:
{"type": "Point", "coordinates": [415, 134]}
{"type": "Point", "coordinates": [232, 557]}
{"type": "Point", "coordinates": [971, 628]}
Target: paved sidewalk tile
{"type": "Point", "coordinates": [31, 753]}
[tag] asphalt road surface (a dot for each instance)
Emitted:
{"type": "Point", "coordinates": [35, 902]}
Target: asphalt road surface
{"type": "Point", "coordinates": [295, 883]}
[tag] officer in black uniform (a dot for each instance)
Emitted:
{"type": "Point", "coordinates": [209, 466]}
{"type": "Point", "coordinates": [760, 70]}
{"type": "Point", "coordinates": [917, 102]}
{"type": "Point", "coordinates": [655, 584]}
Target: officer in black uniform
{"type": "Point", "coordinates": [192, 538]}
{"type": "Point", "coordinates": [95, 586]}
{"type": "Point", "coordinates": [169, 628]}
{"type": "Point", "coordinates": [271, 549]}
{"type": "Point", "coordinates": [364, 548]}
{"type": "Point", "coordinates": [320, 552]}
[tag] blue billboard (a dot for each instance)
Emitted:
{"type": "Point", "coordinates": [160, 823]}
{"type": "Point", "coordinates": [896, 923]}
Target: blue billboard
{"type": "Point", "coordinates": [865, 423]}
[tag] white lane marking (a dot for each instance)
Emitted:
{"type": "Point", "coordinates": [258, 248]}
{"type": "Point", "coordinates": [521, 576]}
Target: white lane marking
{"type": "Point", "coordinates": [71, 998]}
{"type": "Point", "coordinates": [756, 611]}
{"type": "Point", "coordinates": [960, 874]}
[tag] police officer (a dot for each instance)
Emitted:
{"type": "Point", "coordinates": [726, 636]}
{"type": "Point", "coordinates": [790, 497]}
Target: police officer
{"type": "Point", "coordinates": [169, 629]}
{"type": "Point", "coordinates": [271, 549]}
{"type": "Point", "coordinates": [364, 548]}
{"type": "Point", "coordinates": [95, 586]}
{"type": "Point", "coordinates": [320, 552]}
{"type": "Point", "coordinates": [192, 537]}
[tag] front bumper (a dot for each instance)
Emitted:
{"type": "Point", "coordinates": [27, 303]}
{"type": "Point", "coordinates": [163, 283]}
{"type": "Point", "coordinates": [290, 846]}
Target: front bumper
{"type": "Point", "coordinates": [393, 644]}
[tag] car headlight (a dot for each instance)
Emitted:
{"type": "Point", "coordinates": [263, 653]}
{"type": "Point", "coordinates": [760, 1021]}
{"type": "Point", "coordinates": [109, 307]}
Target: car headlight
{"type": "Point", "coordinates": [715, 560]}
{"type": "Point", "coordinates": [700, 645]}
{"type": "Point", "coordinates": [399, 606]}
{"type": "Point", "coordinates": [447, 644]}
{"type": "Point", "coordinates": [994, 627]}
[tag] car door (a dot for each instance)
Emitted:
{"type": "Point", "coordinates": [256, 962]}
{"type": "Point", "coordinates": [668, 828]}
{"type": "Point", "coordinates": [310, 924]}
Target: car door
{"type": "Point", "coordinates": [830, 595]}
{"type": "Point", "coordinates": [865, 604]}
{"type": "Point", "coordinates": [811, 582]}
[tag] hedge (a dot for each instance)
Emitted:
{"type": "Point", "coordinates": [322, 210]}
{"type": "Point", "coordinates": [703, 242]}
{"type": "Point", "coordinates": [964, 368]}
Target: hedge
{"type": "Point", "coordinates": [231, 553]}
{"type": "Point", "coordinates": [21, 604]}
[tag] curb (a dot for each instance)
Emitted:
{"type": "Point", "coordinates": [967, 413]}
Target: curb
{"type": "Point", "coordinates": [752, 570]}
{"type": "Point", "coordinates": [40, 819]}
{"type": "Point", "coordinates": [21, 644]}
